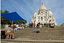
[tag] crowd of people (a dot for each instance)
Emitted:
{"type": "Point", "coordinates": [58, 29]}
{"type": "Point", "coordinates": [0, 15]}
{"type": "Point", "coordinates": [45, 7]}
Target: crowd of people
{"type": "Point", "coordinates": [10, 30]}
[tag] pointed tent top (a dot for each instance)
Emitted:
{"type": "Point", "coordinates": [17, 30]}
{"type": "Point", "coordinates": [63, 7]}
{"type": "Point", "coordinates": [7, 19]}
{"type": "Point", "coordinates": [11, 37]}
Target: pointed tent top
{"type": "Point", "coordinates": [43, 6]}
{"type": "Point", "coordinates": [12, 16]}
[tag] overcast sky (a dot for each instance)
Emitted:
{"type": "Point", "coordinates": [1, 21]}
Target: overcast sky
{"type": "Point", "coordinates": [27, 8]}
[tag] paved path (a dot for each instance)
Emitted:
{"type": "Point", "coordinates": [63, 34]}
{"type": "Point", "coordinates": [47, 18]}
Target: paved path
{"type": "Point", "coordinates": [29, 40]}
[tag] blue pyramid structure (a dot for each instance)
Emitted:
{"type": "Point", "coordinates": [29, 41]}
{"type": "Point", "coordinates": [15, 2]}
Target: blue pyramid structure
{"type": "Point", "coordinates": [12, 16]}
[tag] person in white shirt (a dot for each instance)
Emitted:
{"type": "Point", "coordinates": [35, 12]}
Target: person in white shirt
{"type": "Point", "coordinates": [9, 33]}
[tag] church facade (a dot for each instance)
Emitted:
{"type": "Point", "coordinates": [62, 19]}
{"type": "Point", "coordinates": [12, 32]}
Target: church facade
{"type": "Point", "coordinates": [43, 17]}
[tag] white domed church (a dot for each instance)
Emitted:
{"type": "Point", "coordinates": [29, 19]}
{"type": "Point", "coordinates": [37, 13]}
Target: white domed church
{"type": "Point", "coordinates": [43, 17]}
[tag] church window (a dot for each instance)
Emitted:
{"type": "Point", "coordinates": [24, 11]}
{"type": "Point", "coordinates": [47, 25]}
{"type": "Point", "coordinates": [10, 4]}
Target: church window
{"type": "Point", "coordinates": [44, 16]}
{"type": "Point", "coordinates": [49, 20]}
{"type": "Point", "coordinates": [41, 18]}
{"type": "Point", "coordinates": [34, 17]}
{"type": "Point", "coordinates": [38, 17]}
{"type": "Point", "coordinates": [53, 19]}
{"type": "Point", "coordinates": [49, 16]}
{"type": "Point", "coordinates": [41, 12]}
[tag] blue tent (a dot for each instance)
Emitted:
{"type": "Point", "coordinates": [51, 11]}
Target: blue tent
{"type": "Point", "coordinates": [12, 16]}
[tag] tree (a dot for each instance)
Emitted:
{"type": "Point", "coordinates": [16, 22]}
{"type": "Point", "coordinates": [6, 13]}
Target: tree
{"type": "Point", "coordinates": [62, 24]}
{"type": "Point", "coordinates": [30, 24]}
{"type": "Point", "coordinates": [10, 22]}
{"type": "Point", "coordinates": [4, 11]}
{"type": "Point", "coordinates": [3, 19]}
{"type": "Point", "coordinates": [21, 21]}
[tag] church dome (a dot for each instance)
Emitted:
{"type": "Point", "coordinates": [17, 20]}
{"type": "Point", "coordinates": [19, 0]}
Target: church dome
{"type": "Point", "coordinates": [35, 13]}
{"type": "Point", "coordinates": [43, 7]}
{"type": "Point", "coordinates": [50, 12]}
